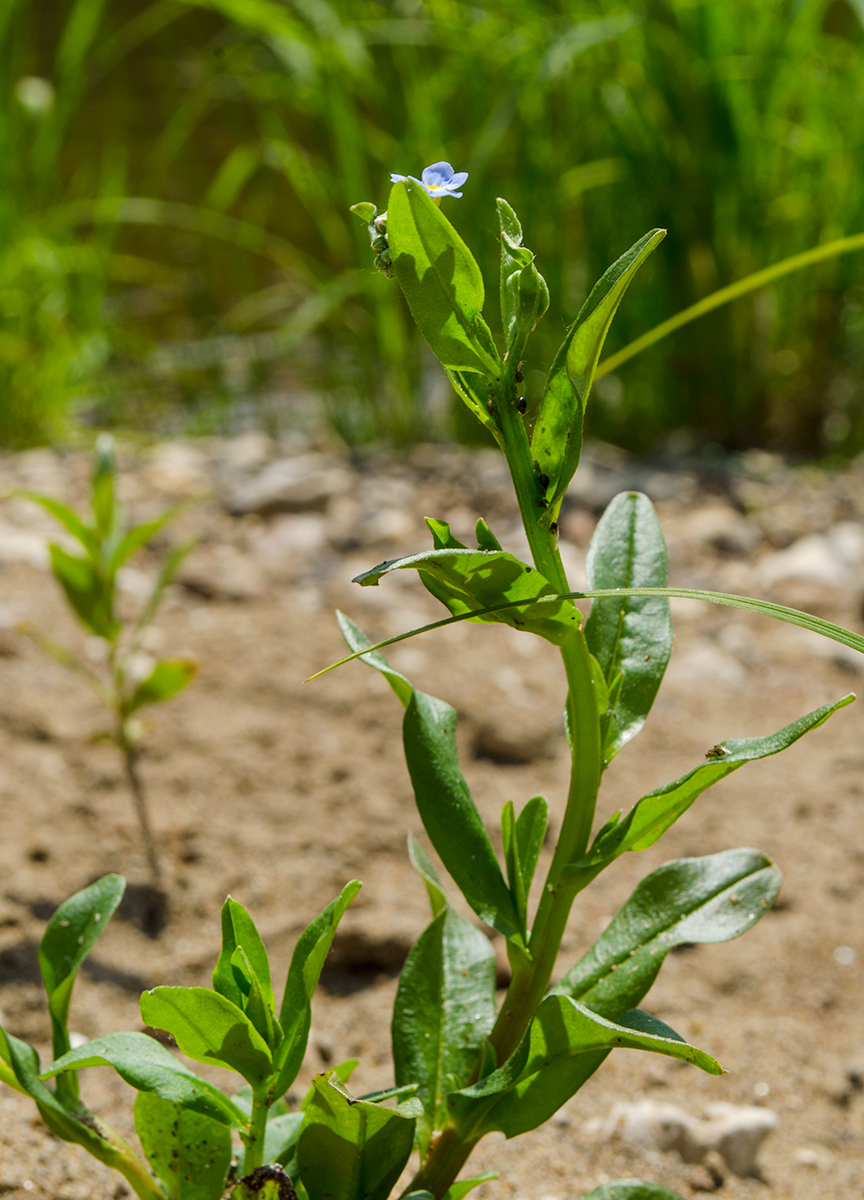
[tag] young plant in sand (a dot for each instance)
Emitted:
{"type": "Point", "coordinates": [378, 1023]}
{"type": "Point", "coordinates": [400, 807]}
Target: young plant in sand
{"type": "Point", "coordinates": [130, 681]}
{"type": "Point", "coordinates": [184, 1123]}
{"type": "Point", "coordinates": [464, 1064]}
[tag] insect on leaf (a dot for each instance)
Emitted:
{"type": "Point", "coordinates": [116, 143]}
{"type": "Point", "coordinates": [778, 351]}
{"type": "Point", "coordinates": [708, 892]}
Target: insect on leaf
{"type": "Point", "coordinates": [651, 816]}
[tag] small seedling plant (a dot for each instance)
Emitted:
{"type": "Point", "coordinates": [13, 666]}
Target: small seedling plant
{"type": "Point", "coordinates": [465, 1064]}
{"type": "Point", "coordinates": [88, 580]}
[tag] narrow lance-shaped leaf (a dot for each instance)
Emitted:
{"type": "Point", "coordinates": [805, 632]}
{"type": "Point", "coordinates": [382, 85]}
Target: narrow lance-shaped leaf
{"type": "Point", "coordinates": [467, 581]}
{"type": "Point", "coordinates": [630, 637]}
{"type": "Point", "coordinates": [443, 798]}
{"type": "Point", "coordinates": [651, 816]}
{"type": "Point", "coordinates": [422, 864]}
{"type": "Point", "coordinates": [351, 1149]}
{"type": "Point", "coordinates": [89, 594]}
{"type": "Point", "coordinates": [565, 1044]}
{"type": "Point", "coordinates": [444, 1009]}
{"type": "Point", "coordinates": [556, 442]}
{"type": "Point", "coordinates": [188, 1153]}
{"type": "Point", "coordinates": [68, 938]}
{"type": "Point", "coordinates": [238, 929]}
{"type": "Point", "coordinates": [165, 680]}
{"type": "Point", "coordinates": [209, 1029]}
{"type": "Point", "coordinates": [441, 281]}
{"type": "Point", "coordinates": [147, 1066]}
{"type": "Point", "coordinates": [24, 1062]}
{"type": "Point", "coordinates": [522, 838]}
{"type": "Point", "coordinates": [714, 898]}
{"type": "Point", "coordinates": [765, 608]}
{"type": "Point", "coordinates": [69, 519]}
{"type": "Point", "coordinates": [295, 1014]}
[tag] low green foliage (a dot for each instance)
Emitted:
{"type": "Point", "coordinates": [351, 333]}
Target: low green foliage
{"type": "Point", "coordinates": [465, 1065]}
{"type": "Point", "coordinates": [88, 578]}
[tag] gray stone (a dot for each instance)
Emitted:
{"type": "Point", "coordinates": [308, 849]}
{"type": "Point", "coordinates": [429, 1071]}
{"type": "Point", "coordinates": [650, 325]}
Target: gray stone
{"type": "Point", "coordinates": [733, 1131]}
{"type": "Point", "coordinates": [288, 485]}
{"type": "Point", "coordinates": [833, 558]}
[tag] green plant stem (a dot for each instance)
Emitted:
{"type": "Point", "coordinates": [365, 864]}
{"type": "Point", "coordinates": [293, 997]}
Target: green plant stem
{"type": "Point", "coordinates": [136, 787]}
{"type": "Point", "coordinates": [750, 283]}
{"type": "Point", "coordinates": [448, 1154]}
{"type": "Point", "coordinates": [253, 1141]}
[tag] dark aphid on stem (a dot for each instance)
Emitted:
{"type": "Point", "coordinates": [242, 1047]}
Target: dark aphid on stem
{"type": "Point", "coordinates": [522, 404]}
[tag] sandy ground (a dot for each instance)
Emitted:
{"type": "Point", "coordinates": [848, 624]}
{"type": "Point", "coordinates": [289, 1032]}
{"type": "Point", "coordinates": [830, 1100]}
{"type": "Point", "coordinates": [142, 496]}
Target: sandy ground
{"type": "Point", "coordinates": [279, 792]}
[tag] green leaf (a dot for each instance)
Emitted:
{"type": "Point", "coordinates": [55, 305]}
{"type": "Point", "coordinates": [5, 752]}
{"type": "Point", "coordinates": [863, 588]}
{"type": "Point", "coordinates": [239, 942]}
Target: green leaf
{"type": "Point", "coordinates": [467, 581]}
{"type": "Point", "coordinates": [444, 801]}
{"type": "Point", "coordinates": [147, 1066]}
{"type": "Point", "coordinates": [91, 596]}
{"type": "Point", "coordinates": [462, 1187]}
{"type": "Point", "coordinates": [651, 816]}
{"type": "Point", "coordinates": [556, 442]}
{"type": "Point", "coordinates": [443, 1012]}
{"type": "Point", "coordinates": [69, 519]}
{"type": "Point", "coordinates": [522, 838]}
{"type": "Point", "coordinates": [441, 281]}
{"type": "Point", "coordinates": [514, 256]}
{"type": "Point", "coordinates": [351, 1149]}
{"type": "Point", "coordinates": [565, 1044]}
{"type": "Point", "coordinates": [165, 680]}
{"type": "Point", "coordinates": [238, 929]}
{"type": "Point", "coordinates": [140, 535]}
{"type": "Point", "coordinates": [24, 1063]}
{"type": "Point", "coordinates": [524, 294]}
{"type": "Point", "coordinates": [631, 1189]}
{"type": "Point", "coordinates": [629, 637]}
{"type": "Point", "coordinates": [449, 814]}
{"type": "Point", "coordinates": [792, 616]}
{"type": "Point", "coordinates": [422, 864]}
{"type": "Point", "coordinates": [102, 485]}
{"type": "Point", "coordinates": [169, 569]}
{"type": "Point", "coordinates": [475, 393]}
{"type": "Point", "coordinates": [365, 210]}
{"type": "Point", "coordinates": [69, 937]}
{"type": "Point", "coordinates": [303, 974]}
{"type": "Point", "coordinates": [358, 641]}
{"type": "Point", "coordinates": [188, 1153]}
{"type": "Point", "coordinates": [209, 1029]}
{"type": "Point", "coordinates": [714, 898]}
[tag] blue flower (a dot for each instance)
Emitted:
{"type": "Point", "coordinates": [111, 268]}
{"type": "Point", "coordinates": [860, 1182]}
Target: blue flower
{"type": "Point", "coordinates": [439, 180]}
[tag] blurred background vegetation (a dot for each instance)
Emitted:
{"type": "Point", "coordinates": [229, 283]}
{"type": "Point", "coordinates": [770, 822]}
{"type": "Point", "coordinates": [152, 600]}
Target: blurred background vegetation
{"type": "Point", "coordinates": [175, 176]}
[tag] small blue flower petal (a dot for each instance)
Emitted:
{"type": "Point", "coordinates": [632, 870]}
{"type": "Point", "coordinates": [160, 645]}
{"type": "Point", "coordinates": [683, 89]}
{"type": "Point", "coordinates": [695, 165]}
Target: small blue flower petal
{"type": "Point", "coordinates": [438, 180]}
{"type": "Point", "coordinates": [439, 174]}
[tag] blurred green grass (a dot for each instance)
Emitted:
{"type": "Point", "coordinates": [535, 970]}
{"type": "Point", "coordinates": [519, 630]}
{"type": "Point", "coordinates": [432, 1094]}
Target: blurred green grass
{"type": "Point", "coordinates": [175, 177]}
